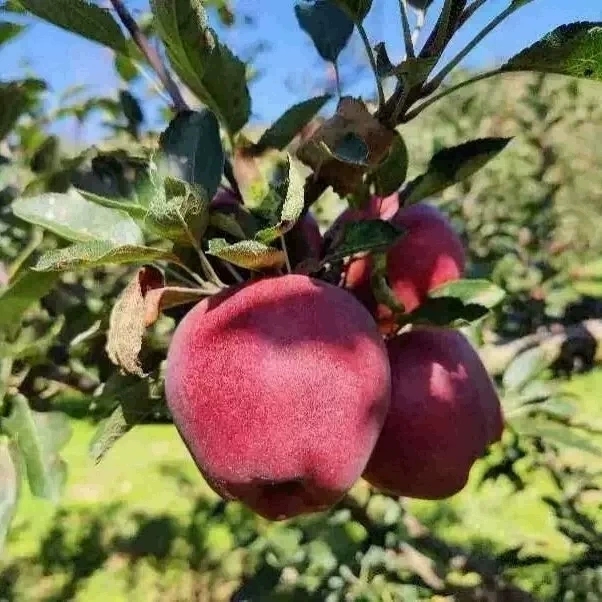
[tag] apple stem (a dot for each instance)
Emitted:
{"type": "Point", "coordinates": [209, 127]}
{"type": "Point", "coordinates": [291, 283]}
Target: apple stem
{"type": "Point", "coordinates": [286, 257]}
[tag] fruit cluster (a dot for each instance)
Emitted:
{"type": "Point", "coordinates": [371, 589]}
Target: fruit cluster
{"type": "Point", "coordinates": [287, 389]}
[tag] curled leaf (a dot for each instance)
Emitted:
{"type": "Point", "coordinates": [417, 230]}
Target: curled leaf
{"type": "Point", "coordinates": [128, 320]}
{"type": "Point", "coordinates": [344, 147]}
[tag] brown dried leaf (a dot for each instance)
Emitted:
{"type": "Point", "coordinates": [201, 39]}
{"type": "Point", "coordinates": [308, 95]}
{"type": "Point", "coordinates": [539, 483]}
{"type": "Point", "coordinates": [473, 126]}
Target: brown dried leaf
{"type": "Point", "coordinates": [128, 320]}
{"type": "Point", "coordinates": [160, 299]}
{"type": "Point", "coordinates": [351, 117]}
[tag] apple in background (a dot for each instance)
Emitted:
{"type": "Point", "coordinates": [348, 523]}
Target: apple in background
{"type": "Point", "coordinates": [279, 388]}
{"type": "Point", "coordinates": [429, 255]}
{"type": "Point", "coordinates": [444, 414]}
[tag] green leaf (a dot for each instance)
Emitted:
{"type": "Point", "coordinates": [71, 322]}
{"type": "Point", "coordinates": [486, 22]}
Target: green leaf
{"type": "Point", "coordinates": [82, 18]}
{"type": "Point", "coordinates": [9, 31]}
{"type": "Point", "coordinates": [444, 28]}
{"type": "Point", "coordinates": [179, 212]}
{"type": "Point", "coordinates": [363, 236]}
{"type": "Point", "coordinates": [452, 165]}
{"type": "Point", "coordinates": [292, 205]}
{"type": "Point", "coordinates": [191, 149]}
{"type": "Point", "coordinates": [524, 368]}
{"type": "Point", "coordinates": [328, 26]}
{"type": "Point", "coordinates": [479, 292]}
{"type": "Point", "coordinates": [287, 126]}
{"type": "Point", "coordinates": [77, 219]}
{"type": "Point", "coordinates": [574, 49]}
{"type": "Point", "coordinates": [555, 434]}
{"type": "Point", "coordinates": [30, 344]}
{"type": "Point", "coordinates": [134, 401]}
{"type": "Point", "coordinates": [47, 156]}
{"type": "Point", "coordinates": [16, 99]}
{"type": "Point", "coordinates": [21, 294]}
{"type": "Point", "coordinates": [356, 9]}
{"type": "Point", "coordinates": [131, 108]}
{"type": "Point", "coordinates": [215, 75]}
{"type": "Point", "coordinates": [39, 437]}
{"type": "Point", "coordinates": [10, 485]}
{"type": "Point", "coordinates": [126, 68]}
{"type": "Point", "coordinates": [248, 254]}
{"type": "Point", "coordinates": [97, 253]}
{"type": "Point", "coordinates": [138, 212]}
{"type": "Point", "coordinates": [391, 173]}
{"type": "Point", "coordinates": [446, 311]}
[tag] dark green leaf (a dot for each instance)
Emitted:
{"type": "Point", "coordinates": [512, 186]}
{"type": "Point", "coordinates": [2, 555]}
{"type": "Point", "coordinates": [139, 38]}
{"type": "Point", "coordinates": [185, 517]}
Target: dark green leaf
{"type": "Point", "coordinates": [479, 292]}
{"type": "Point", "coordinates": [574, 50]}
{"type": "Point", "coordinates": [16, 99]}
{"type": "Point", "coordinates": [452, 165]}
{"type": "Point", "coordinates": [80, 17]}
{"type": "Point", "coordinates": [134, 401]}
{"type": "Point", "coordinates": [391, 173]}
{"type": "Point", "coordinates": [207, 67]}
{"type": "Point", "coordinates": [363, 236]}
{"type": "Point", "coordinates": [447, 311]}
{"type": "Point", "coordinates": [15, 300]}
{"type": "Point", "coordinates": [384, 66]}
{"type": "Point", "coordinates": [248, 254]}
{"type": "Point", "coordinates": [47, 156]}
{"type": "Point", "coordinates": [524, 368]}
{"type": "Point", "coordinates": [444, 29]}
{"type": "Point", "coordinates": [192, 150]}
{"type": "Point", "coordinates": [356, 9]}
{"type": "Point", "coordinates": [328, 26]}
{"type": "Point", "coordinates": [291, 206]}
{"type": "Point", "coordinates": [39, 436]}
{"type": "Point", "coordinates": [74, 218]}
{"type": "Point", "coordinates": [9, 31]}
{"type": "Point", "coordinates": [286, 127]}
{"type": "Point", "coordinates": [97, 253]}
{"type": "Point", "coordinates": [10, 484]}
{"type": "Point", "coordinates": [131, 108]}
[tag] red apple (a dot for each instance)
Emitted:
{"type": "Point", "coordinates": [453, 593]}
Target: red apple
{"type": "Point", "coordinates": [279, 388]}
{"type": "Point", "coordinates": [444, 413]}
{"type": "Point", "coordinates": [429, 255]}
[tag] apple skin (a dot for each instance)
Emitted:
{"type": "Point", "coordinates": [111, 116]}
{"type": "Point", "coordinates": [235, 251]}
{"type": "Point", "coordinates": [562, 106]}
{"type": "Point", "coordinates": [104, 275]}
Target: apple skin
{"type": "Point", "coordinates": [444, 414]}
{"type": "Point", "coordinates": [429, 255]}
{"type": "Point", "coordinates": [279, 388]}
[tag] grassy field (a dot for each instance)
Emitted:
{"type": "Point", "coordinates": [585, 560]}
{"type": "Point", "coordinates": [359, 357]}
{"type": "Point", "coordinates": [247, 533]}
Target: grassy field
{"type": "Point", "coordinates": [133, 527]}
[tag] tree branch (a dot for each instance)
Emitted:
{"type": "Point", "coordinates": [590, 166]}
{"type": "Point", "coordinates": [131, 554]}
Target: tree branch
{"type": "Point", "coordinates": [152, 56]}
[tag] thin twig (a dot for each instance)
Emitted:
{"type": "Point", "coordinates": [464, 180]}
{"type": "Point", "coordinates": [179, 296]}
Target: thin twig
{"type": "Point", "coordinates": [433, 99]}
{"type": "Point", "coordinates": [372, 60]}
{"type": "Point", "coordinates": [289, 269]}
{"type": "Point", "coordinates": [440, 77]}
{"type": "Point", "coordinates": [152, 56]}
{"type": "Point", "coordinates": [420, 19]}
{"type": "Point", "coordinates": [407, 34]}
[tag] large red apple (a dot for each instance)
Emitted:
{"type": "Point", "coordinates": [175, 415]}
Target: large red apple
{"type": "Point", "coordinates": [444, 413]}
{"type": "Point", "coordinates": [429, 255]}
{"type": "Point", "coordinates": [279, 388]}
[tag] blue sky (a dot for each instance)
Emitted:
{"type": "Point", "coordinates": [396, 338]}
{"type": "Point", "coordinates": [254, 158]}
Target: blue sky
{"type": "Point", "coordinates": [64, 60]}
